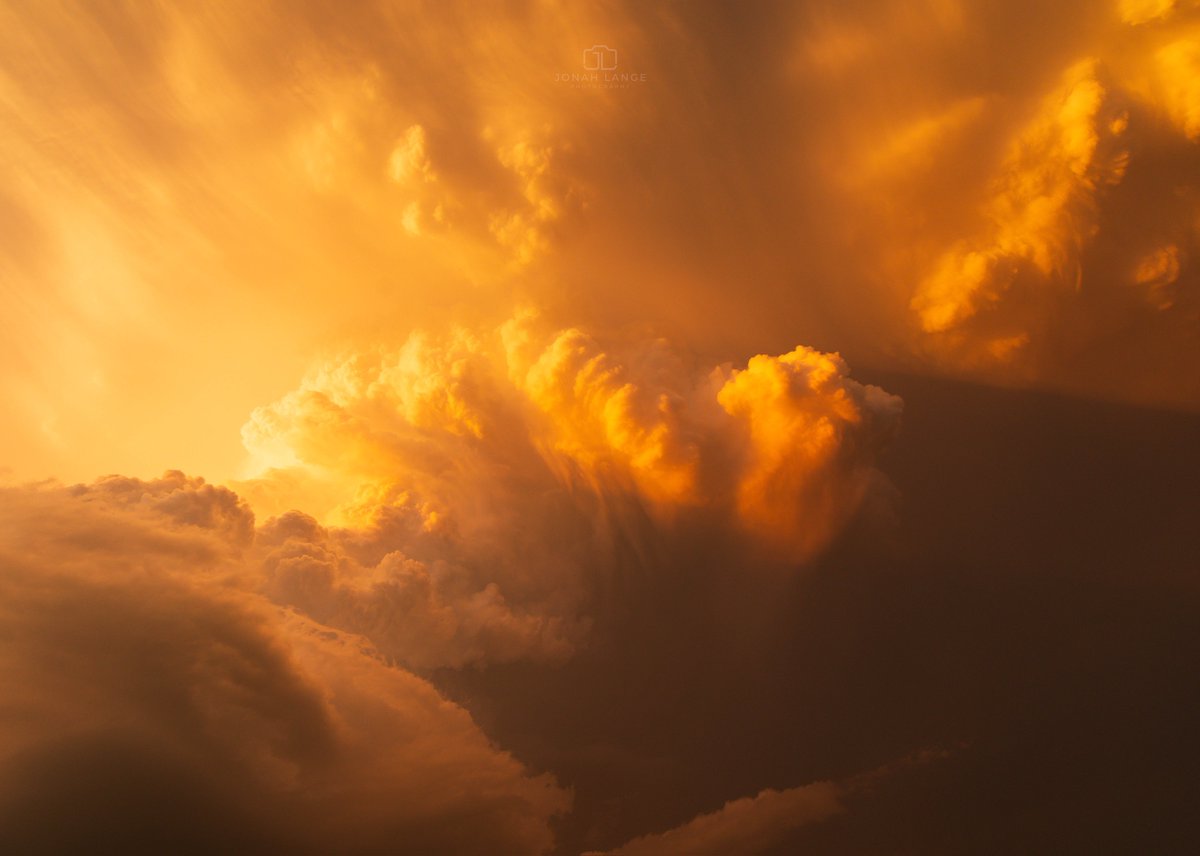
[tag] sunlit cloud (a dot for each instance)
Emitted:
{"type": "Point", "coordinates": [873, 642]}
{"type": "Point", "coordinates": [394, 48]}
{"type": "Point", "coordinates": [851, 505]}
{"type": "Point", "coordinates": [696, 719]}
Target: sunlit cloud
{"type": "Point", "coordinates": [486, 332]}
{"type": "Point", "coordinates": [1044, 206]}
{"type": "Point", "coordinates": [783, 448]}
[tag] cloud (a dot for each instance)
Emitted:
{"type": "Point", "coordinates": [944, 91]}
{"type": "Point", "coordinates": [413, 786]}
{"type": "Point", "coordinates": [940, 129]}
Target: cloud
{"type": "Point", "coordinates": [473, 428]}
{"type": "Point", "coordinates": [415, 613]}
{"type": "Point", "coordinates": [749, 825]}
{"type": "Point", "coordinates": [1010, 211]}
{"type": "Point", "coordinates": [477, 490]}
{"type": "Point", "coordinates": [1156, 273]}
{"type": "Point", "coordinates": [813, 438]}
{"type": "Point", "coordinates": [1043, 209]}
{"type": "Point", "coordinates": [195, 203]}
{"type": "Point", "coordinates": [764, 822]}
{"type": "Point", "coordinates": [1143, 11]}
{"type": "Point", "coordinates": [1178, 70]}
{"type": "Point", "coordinates": [477, 486]}
{"type": "Point", "coordinates": [614, 420]}
{"type": "Point", "coordinates": [158, 702]}
{"type": "Point", "coordinates": [409, 159]}
{"type": "Point", "coordinates": [930, 201]}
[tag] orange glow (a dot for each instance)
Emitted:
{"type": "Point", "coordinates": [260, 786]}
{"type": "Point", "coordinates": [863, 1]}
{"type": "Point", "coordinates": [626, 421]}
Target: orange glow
{"type": "Point", "coordinates": [546, 427]}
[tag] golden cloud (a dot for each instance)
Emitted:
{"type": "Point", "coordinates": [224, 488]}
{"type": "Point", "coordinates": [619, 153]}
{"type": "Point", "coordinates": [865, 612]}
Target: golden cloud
{"type": "Point", "coordinates": [1043, 208]}
{"type": "Point", "coordinates": [783, 448]}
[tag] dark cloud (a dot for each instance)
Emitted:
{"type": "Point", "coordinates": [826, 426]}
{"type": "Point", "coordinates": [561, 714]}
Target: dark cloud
{"type": "Point", "coordinates": [157, 704]}
{"type": "Point", "coordinates": [1031, 615]}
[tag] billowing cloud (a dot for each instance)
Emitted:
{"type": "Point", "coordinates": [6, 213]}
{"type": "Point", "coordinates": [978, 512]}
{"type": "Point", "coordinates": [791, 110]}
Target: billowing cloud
{"type": "Point", "coordinates": [813, 437]}
{"type": "Point", "coordinates": [473, 489]}
{"type": "Point", "coordinates": [199, 205]}
{"type": "Point", "coordinates": [474, 486]}
{"type": "Point", "coordinates": [1012, 212]}
{"type": "Point", "coordinates": [158, 703]}
{"type": "Point", "coordinates": [1043, 209]}
{"type": "Point", "coordinates": [472, 428]}
{"type": "Point", "coordinates": [181, 179]}
{"type": "Point", "coordinates": [419, 614]}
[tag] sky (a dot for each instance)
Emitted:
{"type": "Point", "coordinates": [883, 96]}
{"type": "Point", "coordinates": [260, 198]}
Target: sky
{"type": "Point", "coordinates": [617, 428]}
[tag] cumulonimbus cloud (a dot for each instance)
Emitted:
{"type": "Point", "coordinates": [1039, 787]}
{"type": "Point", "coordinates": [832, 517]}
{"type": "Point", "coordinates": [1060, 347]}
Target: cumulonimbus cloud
{"type": "Point", "coordinates": [472, 483]}
{"type": "Point", "coordinates": [476, 482]}
{"type": "Point", "coordinates": [467, 427]}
